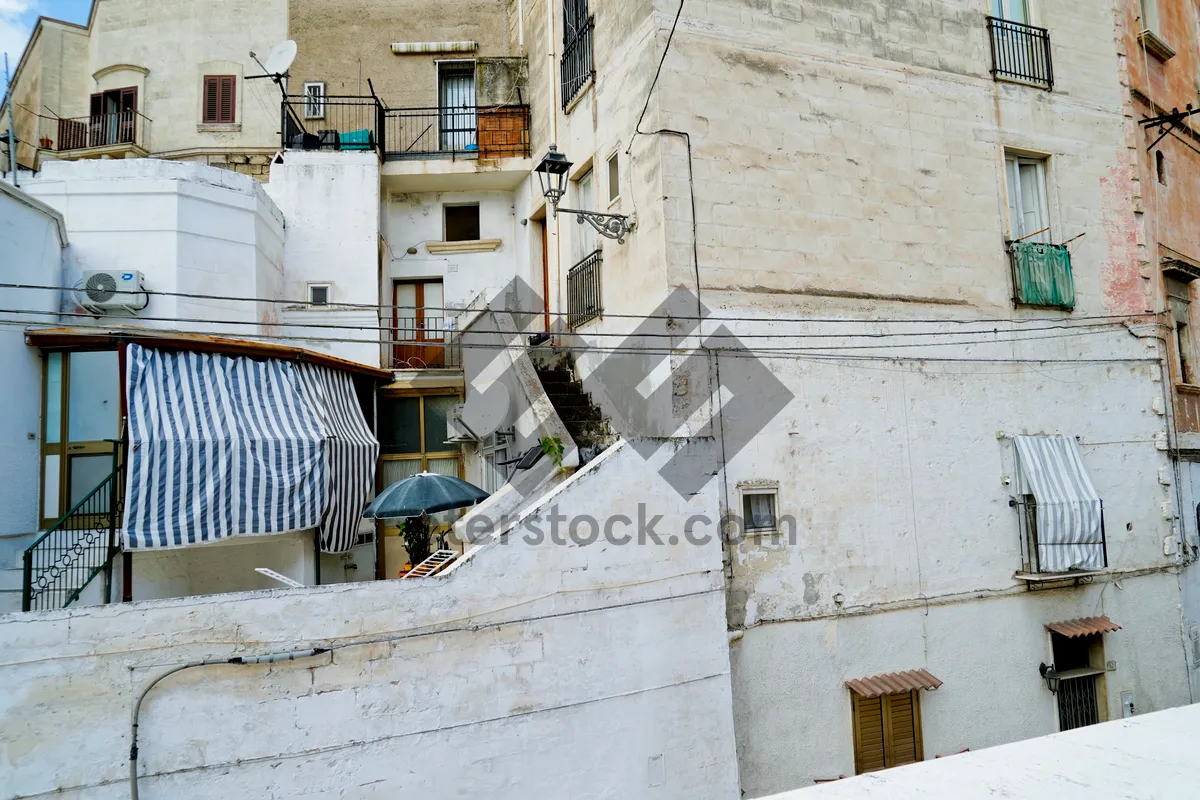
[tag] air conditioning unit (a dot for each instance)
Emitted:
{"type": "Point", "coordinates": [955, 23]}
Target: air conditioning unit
{"type": "Point", "coordinates": [105, 290]}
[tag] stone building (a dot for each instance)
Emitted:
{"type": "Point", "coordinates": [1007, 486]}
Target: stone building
{"type": "Point", "coordinates": [142, 78]}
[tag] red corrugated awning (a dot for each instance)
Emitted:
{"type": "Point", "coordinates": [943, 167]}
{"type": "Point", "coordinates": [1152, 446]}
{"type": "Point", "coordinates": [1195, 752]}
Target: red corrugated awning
{"type": "Point", "coordinates": [893, 683]}
{"type": "Point", "coordinates": [1084, 626]}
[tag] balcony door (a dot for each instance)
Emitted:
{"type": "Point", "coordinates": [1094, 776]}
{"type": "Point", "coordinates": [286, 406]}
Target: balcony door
{"type": "Point", "coordinates": [419, 324]}
{"type": "Point", "coordinates": [456, 105]}
{"type": "Point", "coordinates": [1011, 10]}
{"type": "Point", "coordinates": [113, 117]}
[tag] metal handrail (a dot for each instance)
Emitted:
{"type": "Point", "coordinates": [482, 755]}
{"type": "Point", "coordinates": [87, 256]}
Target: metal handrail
{"type": "Point", "coordinates": [59, 560]}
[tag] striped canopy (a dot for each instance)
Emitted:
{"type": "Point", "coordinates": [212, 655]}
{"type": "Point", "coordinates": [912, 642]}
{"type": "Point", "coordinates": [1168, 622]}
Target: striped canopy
{"type": "Point", "coordinates": [224, 446]}
{"type": "Point", "coordinates": [1069, 530]}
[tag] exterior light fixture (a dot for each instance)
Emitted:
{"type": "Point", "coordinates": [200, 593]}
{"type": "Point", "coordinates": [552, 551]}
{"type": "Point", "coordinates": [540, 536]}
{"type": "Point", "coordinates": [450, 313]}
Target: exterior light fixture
{"type": "Point", "coordinates": [552, 173]}
{"type": "Point", "coordinates": [1051, 675]}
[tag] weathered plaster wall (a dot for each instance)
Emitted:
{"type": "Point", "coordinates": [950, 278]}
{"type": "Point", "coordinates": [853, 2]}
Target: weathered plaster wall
{"type": "Point", "coordinates": [345, 43]}
{"type": "Point", "coordinates": [45, 84]}
{"type": "Point", "coordinates": [189, 228]}
{"type": "Point", "coordinates": [541, 668]}
{"type": "Point", "coordinates": [331, 204]}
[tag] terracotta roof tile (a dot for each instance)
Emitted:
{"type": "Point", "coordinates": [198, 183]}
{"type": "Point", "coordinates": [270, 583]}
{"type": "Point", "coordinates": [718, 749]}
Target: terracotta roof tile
{"type": "Point", "coordinates": [1083, 626]}
{"type": "Point", "coordinates": [893, 683]}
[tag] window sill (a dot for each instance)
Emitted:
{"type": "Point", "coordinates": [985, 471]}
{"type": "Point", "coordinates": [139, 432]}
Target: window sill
{"type": "Point", "coordinates": [1054, 577]}
{"type": "Point", "coordinates": [579, 95]}
{"type": "Point", "coordinates": [1187, 388]}
{"type": "Point", "coordinates": [471, 246]}
{"type": "Point", "coordinates": [212, 127]}
{"type": "Point", "coordinates": [1081, 672]}
{"type": "Point", "coordinates": [1155, 45]}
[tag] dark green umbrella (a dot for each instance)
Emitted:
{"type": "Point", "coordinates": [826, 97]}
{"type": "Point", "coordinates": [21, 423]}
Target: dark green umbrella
{"type": "Point", "coordinates": [425, 493]}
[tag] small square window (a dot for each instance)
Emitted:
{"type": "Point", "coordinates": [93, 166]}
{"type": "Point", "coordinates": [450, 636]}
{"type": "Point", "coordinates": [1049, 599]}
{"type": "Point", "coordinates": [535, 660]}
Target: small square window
{"type": "Point", "coordinates": [462, 223]}
{"type": "Point", "coordinates": [614, 177]}
{"type": "Point", "coordinates": [758, 510]}
{"type": "Point", "coordinates": [318, 294]}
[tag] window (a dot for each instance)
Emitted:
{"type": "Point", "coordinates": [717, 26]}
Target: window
{"type": "Point", "coordinates": [1060, 515]}
{"type": "Point", "coordinates": [1160, 166]}
{"type": "Point", "coordinates": [462, 222]}
{"type": "Point", "coordinates": [1020, 51]}
{"type": "Point", "coordinates": [1149, 9]}
{"type": "Point", "coordinates": [614, 177]}
{"type": "Point", "coordinates": [81, 401]}
{"type": "Point", "coordinates": [220, 99]}
{"type": "Point", "coordinates": [1179, 302]}
{"type": "Point", "coordinates": [456, 106]}
{"type": "Point", "coordinates": [314, 100]}
{"type": "Point", "coordinates": [576, 63]}
{"type": "Point", "coordinates": [887, 731]}
{"type": "Point", "coordinates": [1011, 10]}
{"type": "Point", "coordinates": [758, 510]}
{"type": "Point", "coordinates": [318, 294]}
{"type": "Point", "coordinates": [495, 451]}
{"type": "Point", "coordinates": [412, 436]}
{"type": "Point", "coordinates": [583, 237]}
{"type": "Point", "coordinates": [1028, 206]}
{"type": "Point", "coordinates": [1079, 661]}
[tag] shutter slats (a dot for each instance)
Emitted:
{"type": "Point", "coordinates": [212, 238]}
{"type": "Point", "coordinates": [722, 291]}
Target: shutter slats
{"type": "Point", "coordinates": [868, 734]}
{"type": "Point", "coordinates": [887, 731]}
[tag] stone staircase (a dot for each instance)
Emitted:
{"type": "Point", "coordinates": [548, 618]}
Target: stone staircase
{"type": "Point", "coordinates": [581, 416]}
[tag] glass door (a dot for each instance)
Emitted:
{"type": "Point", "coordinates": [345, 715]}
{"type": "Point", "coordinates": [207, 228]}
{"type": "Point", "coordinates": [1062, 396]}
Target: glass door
{"type": "Point", "coordinates": [80, 424]}
{"type": "Point", "coordinates": [456, 106]}
{"type": "Point", "coordinates": [418, 320]}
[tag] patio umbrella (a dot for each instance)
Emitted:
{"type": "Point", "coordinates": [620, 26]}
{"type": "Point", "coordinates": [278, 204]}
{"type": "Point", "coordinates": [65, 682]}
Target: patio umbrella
{"type": "Point", "coordinates": [424, 493]}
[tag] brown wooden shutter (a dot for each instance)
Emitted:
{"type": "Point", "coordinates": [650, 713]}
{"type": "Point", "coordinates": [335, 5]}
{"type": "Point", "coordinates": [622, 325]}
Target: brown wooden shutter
{"type": "Point", "coordinates": [887, 731]}
{"type": "Point", "coordinates": [868, 733]}
{"type": "Point", "coordinates": [212, 89]}
{"type": "Point", "coordinates": [228, 97]}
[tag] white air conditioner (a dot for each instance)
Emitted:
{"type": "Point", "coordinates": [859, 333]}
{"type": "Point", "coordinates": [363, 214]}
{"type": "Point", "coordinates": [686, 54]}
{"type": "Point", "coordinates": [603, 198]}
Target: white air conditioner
{"type": "Point", "coordinates": [103, 290]}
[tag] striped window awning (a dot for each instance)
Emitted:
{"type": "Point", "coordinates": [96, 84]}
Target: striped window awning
{"type": "Point", "coordinates": [1084, 626]}
{"type": "Point", "coordinates": [1070, 533]}
{"type": "Point", "coordinates": [223, 446]}
{"type": "Point", "coordinates": [893, 683]}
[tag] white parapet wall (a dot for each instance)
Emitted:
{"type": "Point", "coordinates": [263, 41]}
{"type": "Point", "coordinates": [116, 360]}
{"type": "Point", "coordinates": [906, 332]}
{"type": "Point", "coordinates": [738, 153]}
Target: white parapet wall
{"type": "Point", "coordinates": [530, 669]}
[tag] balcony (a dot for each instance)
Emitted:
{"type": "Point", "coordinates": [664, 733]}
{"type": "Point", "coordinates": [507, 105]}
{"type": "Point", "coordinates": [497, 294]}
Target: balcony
{"type": "Point", "coordinates": [116, 135]}
{"type": "Point", "coordinates": [1042, 275]}
{"type": "Point", "coordinates": [423, 342]}
{"type": "Point", "coordinates": [397, 134]}
{"type": "Point", "coordinates": [1020, 53]}
{"type": "Point", "coordinates": [585, 298]}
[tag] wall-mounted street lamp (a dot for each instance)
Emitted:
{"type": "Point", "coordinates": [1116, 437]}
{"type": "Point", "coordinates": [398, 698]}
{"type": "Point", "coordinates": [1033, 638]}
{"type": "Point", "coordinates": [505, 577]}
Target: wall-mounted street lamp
{"type": "Point", "coordinates": [1051, 675]}
{"type": "Point", "coordinates": [552, 177]}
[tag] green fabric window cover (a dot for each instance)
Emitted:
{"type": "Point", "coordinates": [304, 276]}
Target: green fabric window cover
{"type": "Point", "coordinates": [1042, 275]}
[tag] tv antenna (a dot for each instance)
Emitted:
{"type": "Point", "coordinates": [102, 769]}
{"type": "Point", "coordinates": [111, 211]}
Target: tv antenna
{"type": "Point", "coordinates": [278, 62]}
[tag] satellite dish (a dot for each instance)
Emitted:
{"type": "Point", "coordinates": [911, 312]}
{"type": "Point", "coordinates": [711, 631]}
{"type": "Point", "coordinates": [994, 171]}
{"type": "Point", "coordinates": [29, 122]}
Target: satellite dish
{"type": "Point", "coordinates": [486, 410]}
{"type": "Point", "coordinates": [281, 58]}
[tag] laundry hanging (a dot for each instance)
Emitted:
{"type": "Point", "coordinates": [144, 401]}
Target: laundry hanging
{"type": "Point", "coordinates": [223, 446]}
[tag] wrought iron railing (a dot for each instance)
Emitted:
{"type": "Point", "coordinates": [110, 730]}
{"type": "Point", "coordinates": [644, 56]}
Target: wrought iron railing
{"type": "Point", "coordinates": [1032, 542]}
{"type": "Point", "coordinates": [334, 122]}
{"type": "Point", "coordinates": [424, 344]}
{"type": "Point", "coordinates": [585, 298]}
{"type": "Point", "coordinates": [575, 67]}
{"type": "Point", "coordinates": [1020, 52]}
{"type": "Point", "coordinates": [61, 563]}
{"type": "Point", "coordinates": [457, 132]}
{"type": "Point", "coordinates": [100, 130]}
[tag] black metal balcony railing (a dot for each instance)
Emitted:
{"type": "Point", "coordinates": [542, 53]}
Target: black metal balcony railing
{"type": "Point", "coordinates": [102, 130]}
{"type": "Point", "coordinates": [576, 64]}
{"type": "Point", "coordinates": [1020, 52]}
{"type": "Point", "coordinates": [364, 123]}
{"type": "Point", "coordinates": [423, 343]}
{"type": "Point", "coordinates": [457, 132]}
{"type": "Point", "coordinates": [1026, 506]}
{"type": "Point", "coordinates": [585, 299]}
{"type": "Point", "coordinates": [344, 123]}
{"type": "Point", "coordinates": [64, 560]}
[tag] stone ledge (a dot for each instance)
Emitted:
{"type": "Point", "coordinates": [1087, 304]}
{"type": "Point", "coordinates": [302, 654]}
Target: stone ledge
{"type": "Point", "coordinates": [472, 246]}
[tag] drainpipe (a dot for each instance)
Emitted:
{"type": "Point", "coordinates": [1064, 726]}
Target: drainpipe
{"type": "Point", "coordinates": [12, 126]}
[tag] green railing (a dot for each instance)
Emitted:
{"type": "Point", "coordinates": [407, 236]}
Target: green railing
{"type": "Point", "coordinates": [77, 548]}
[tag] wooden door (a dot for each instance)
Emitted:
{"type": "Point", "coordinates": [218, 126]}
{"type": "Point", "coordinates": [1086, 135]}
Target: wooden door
{"type": "Point", "coordinates": [418, 321]}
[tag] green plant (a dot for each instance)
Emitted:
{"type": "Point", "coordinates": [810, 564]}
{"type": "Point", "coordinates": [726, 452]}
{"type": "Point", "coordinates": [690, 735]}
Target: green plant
{"type": "Point", "coordinates": [415, 531]}
{"type": "Point", "coordinates": [552, 446]}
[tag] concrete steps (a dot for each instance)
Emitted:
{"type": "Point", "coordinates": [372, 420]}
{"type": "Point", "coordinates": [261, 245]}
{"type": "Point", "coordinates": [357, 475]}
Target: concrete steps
{"type": "Point", "coordinates": [582, 417]}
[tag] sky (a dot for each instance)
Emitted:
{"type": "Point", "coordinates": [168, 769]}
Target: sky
{"type": "Point", "coordinates": [17, 18]}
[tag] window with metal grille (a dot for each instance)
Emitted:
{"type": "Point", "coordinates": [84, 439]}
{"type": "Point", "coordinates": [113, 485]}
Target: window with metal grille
{"type": "Point", "coordinates": [585, 300]}
{"type": "Point", "coordinates": [1079, 662]}
{"type": "Point", "coordinates": [576, 67]}
{"type": "Point", "coordinates": [887, 731]}
{"type": "Point", "coordinates": [220, 99]}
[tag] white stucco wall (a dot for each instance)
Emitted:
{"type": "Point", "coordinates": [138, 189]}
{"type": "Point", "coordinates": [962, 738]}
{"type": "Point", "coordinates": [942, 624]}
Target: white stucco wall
{"type": "Point", "coordinates": [527, 670]}
{"type": "Point", "coordinates": [190, 229]}
{"type": "Point", "coordinates": [331, 203]}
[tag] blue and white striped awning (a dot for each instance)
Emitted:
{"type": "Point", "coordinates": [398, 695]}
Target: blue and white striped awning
{"type": "Point", "coordinates": [223, 446]}
{"type": "Point", "coordinates": [1070, 534]}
